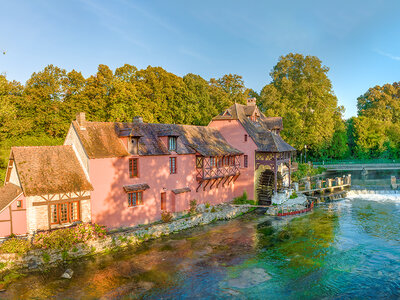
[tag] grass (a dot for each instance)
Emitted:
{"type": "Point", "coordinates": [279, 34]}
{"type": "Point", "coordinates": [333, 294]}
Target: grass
{"type": "Point", "coordinates": [243, 200]}
{"type": "Point", "coordinates": [5, 148]}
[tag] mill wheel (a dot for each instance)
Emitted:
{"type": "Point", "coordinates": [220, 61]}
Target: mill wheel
{"type": "Point", "coordinates": [265, 187]}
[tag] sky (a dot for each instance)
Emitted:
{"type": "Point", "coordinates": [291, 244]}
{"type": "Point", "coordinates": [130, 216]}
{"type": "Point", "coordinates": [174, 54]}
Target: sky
{"type": "Point", "coordinates": [358, 40]}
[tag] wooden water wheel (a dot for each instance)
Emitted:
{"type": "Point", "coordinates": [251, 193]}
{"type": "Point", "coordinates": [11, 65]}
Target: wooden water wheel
{"type": "Point", "coordinates": [265, 188]}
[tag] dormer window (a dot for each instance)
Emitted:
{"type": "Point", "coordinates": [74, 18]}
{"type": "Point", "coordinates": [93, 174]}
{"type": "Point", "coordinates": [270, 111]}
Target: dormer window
{"type": "Point", "coordinates": [134, 145]}
{"type": "Point", "coordinates": [172, 143]}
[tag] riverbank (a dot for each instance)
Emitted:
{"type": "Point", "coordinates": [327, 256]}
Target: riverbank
{"type": "Point", "coordinates": [42, 258]}
{"type": "Point", "coordinates": [347, 249]}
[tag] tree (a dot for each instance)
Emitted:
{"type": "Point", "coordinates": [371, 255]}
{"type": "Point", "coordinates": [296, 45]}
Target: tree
{"type": "Point", "coordinates": [302, 94]}
{"type": "Point", "coordinates": [43, 94]}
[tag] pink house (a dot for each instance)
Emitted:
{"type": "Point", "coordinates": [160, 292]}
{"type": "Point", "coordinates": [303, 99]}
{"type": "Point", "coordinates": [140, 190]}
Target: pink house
{"type": "Point", "coordinates": [125, 174]}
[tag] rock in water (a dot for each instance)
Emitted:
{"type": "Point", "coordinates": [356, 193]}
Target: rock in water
{"type": "Point", "coordinates": [249, 278]}
{"type": "Point", "coordinates": [67, 274]}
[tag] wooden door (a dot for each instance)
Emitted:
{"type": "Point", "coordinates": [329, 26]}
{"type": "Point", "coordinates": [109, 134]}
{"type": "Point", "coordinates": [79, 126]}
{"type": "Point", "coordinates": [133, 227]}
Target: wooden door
{"type": "Point", "coordinates": [163, 201]}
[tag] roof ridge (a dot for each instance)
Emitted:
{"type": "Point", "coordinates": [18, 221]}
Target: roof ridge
{"type": "Point", "coordinates": [43, 146]}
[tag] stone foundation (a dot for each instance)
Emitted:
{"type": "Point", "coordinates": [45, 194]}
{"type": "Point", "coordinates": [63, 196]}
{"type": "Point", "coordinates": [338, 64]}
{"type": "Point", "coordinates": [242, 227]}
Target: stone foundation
{"type": "Point", "coordinates": [36, 259]}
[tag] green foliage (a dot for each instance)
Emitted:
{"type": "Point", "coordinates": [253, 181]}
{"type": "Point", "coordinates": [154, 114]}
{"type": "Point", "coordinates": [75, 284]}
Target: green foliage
{"type": "Point", "coordinates": [207, 205]}
{"type": "Point", "coordinates": [243, 199]}
{"type": "Point", "coordinates": [15, 245]}
{"type": "Point", "coordinates": [193, 206]}
{"type": "Point", "coordinates": [45, 257]}
{"type": "Point", "coordinates": [305, 170]}
{"type": "Point", "coordinates": [166, 216]}
{"type": "Point", "coordinates": [66, 239]}
{"type": "Point", "coordinates": [213, 210]}
{"type": "Point", "coordinates": [302, 94]}
{"type": "Point", "coordinates": [293, 195]}
{"type": "Point", "coordinates": [5, 147]}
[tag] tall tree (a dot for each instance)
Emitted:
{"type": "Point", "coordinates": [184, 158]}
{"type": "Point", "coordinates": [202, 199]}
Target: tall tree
{"type": "Point", "coordinates": [302, 94]}
{"type": "Point", "coordinates": [44, 92]}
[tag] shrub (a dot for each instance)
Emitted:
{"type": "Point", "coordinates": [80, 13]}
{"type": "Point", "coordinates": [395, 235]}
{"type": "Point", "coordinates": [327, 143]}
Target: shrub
{"type": "Point", "coordinates": [243, 199]}
{"type": "Point", "coordinates": [208, 205]}
{"type": "Point", "coordinates": [15, 245]}
{"type": "Point", "coordinates": [65, 239]}
{"type": "Point", "coordinates": [293, 195]}
{"type": "Point", "coordinates": [193, 206]}
{"type": "Point", "coordinates": [213, 210]}
{"type": "Point", "coordinates": [166, 216]}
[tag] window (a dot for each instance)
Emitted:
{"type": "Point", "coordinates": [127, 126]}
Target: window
{"type": "Point", "coordinates": [246, 161]}
{"type": "Point", "coordinates": [172, 143]}
{"type": "Point", "coordinates": [172, 165]}
{"type": "Point", "coordinates": [135, 198]}
{"type": "Point", "coordinates": [64, 212]}
{"type": "Point", "coordinates": [19, 203]}
{"type": "Point", "coordinates": [133, 167]}
{"type": "Point", "coordinates": [226, 161]}
{"type": "Point", "coordinates": [212, 162]}
{"type": "Point", "coordinates": [219, 162]}
{"type": "Point", "coordinates": [199, 162]}
{"type": "Point", "coordinates": [245, 137]}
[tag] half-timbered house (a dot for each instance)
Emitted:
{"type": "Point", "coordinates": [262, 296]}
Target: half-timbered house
{"type": "Point", "coordinates": [125, 174]}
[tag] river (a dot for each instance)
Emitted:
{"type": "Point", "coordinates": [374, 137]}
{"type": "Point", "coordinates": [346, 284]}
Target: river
{"type": "Point", "coordinates": [346, 249]}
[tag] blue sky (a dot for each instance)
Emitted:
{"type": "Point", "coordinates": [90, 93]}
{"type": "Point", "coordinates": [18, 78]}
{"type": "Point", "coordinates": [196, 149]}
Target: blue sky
{"type": "Point", "coordinates": [358, 40]}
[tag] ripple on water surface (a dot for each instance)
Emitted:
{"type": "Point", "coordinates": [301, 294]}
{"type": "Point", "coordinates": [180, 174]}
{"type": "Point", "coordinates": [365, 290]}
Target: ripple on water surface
{"type": "Point", "coordinates": [345, 249]}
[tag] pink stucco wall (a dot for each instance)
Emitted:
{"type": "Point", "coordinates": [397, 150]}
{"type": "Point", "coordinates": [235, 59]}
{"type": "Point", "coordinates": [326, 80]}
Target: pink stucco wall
{"type": "Point", "coordinates": [110, 201]}
{"type": "Point", "coordinates": [19, 224]}
{"type": "Point", "coordinates": [234, 132]}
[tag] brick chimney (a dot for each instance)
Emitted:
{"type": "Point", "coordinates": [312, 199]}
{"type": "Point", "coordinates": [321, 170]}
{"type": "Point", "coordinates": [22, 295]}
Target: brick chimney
{"type": "Point", "coordinates": [81, 120]}
{"type": "Point", "coordinates": [251, 101]}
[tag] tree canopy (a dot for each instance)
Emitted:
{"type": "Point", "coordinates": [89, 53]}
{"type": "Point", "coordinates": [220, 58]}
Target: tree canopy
{"type": "Point", "coordinates": [301, 93]}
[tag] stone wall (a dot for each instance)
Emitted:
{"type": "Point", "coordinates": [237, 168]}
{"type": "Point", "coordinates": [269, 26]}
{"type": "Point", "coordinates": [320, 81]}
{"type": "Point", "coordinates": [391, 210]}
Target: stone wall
{"type": "Point", "coordinates": [39, 258]}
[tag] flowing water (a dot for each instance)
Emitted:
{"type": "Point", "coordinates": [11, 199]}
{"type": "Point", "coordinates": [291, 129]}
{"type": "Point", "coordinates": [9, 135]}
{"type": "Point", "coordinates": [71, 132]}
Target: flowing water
{"type": "Point", "coordinates": [346, 249]}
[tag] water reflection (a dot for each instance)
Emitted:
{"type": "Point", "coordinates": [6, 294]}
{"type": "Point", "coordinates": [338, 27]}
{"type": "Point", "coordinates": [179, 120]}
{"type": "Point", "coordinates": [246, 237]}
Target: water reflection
{"type": "Point", "coordinates": [335, 251]}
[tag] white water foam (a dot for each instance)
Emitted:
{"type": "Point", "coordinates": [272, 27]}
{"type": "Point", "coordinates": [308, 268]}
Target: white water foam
{"type": "Point", "coordinates": [379, 196]}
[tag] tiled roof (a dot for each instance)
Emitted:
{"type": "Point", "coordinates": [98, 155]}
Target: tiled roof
{"type": "Point", "coordinates": [49, 170]}
{"type": "Point", "coordinates": [182, 190]}
{"type": "Point", "coordinates": [8, 193]}
{"type": "Point", "coordinates": [260, 130]}
{"type": "Point", "coordinates": [102, 140]}
{"type": "Point", "coordinates": [136, 187]}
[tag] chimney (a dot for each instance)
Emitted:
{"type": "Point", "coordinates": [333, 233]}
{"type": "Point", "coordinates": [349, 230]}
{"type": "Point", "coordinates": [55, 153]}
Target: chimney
{"type": "Point", "coordinates": [81, 120]}
{"type": "Point", "coordinates": [251, 101]}
{"type": "Point", "coordinates": [137, 119]}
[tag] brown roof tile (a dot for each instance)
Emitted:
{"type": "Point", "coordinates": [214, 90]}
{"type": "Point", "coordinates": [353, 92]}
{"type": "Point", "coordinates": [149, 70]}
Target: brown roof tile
{"type": "Point", "coordinates": [182, 190]}
{"type": "Point", "coordinates": [102, 140]}
{"type": "Point", "coordinates": [8, 193]}
{"type": "Point", "coordinates": [260, 130]}
{"type": "Point", "coordinates": [136, 187]}
{"type": "Point", "coordinates": [49, 170]}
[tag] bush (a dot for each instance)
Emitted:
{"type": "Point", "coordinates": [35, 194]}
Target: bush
{"type": "Point", "coordinates": [15, 245]}
{"type": "Point", "coordinates": [243, 199]}
{"type": "Point", "coordinates": [213, 210]}
{"type": "Point", "coordinates": [293, 195]}
{"type": "Point", "coordinates": [193, 206]}
{"type": "Point", "coordinates": [305, 170]}
{"type": "Point", "coordinates": [65, 239]}
{"type": "Point", "coordinates": [166, 216]}
{"type": "Point", "coordinates": [208, 205]}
